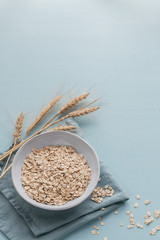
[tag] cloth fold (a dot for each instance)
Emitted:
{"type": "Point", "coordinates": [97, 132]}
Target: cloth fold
{"type": "Point", "coordinates": [35, 223]}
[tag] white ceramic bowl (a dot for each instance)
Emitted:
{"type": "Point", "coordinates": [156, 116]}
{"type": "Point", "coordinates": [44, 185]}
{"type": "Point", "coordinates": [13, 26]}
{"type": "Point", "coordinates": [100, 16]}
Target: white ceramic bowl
{"type": "Point", "coordinates": [56, 138]}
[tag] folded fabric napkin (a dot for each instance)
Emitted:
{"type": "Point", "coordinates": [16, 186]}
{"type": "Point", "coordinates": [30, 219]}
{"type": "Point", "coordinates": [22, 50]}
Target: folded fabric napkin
{"type": "Point", "coordinates": [20, 220]}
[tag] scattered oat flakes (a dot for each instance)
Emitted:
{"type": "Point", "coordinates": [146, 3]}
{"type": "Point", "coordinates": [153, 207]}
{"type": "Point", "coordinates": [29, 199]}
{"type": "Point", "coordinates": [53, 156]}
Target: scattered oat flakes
{"type": "Point", "coordinates": [157, 228]}
{"type": "Point", "coordinates": [96, 227]}
{"type": "Point", "coordinates": [148, 214]}
{"type": "Point", "coordinates": [138, 197]}
{"type": "Point", "coordinates": [147, 202]}
{"type": "Point", "coordinates": [100, 218]}
{"type": "Point", "coordinates": [135, 205]}
{"type": "Point", "coordinates": [116, 212]}
{"type": "Point", "coordinates": [105, 238]}
{"type": "Point", "coordinates": [102, 209]}
{"type": "Point", "coordinates": [106, 186]}
{"type": "Point", "coordinates": [99, 193]}
{"type": "Point", "coordinates": [132, 221]}
{"type": "Point", "coordinates": [130, 226]}
{"type": "Point", "coordinates": [149, 220]}
{"type": "Point", "coordinates": [101, 223]}
{"type": "Point", "coordinates": [157, 213]}
{"type": "Point", "coordinates": [145, 216]}
{"type": "Point", "coordinates": [153, 231]}
{"type": "Point", "coordinates": [93, 232]}
{"type": "Point", "coordinates": [138, 225]}
{"type": "Point", "coordinates": [131, 215]}
{"type": "Point", "coordinates": [97, 233]}
{"type": "Point", "coordinates": [121, 224]}
{"type": "Point", "coordinates": [128, 212]}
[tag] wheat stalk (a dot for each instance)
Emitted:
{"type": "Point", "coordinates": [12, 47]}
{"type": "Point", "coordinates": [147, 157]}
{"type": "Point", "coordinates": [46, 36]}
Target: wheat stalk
{"type": "Point", "coordinates": [6, 171]}
{"type": "Point", "coordinates": [43, 113]}
{"type": "Point", "coordinates": [69, 105]}
{"type": "Point", "coordinates": [17, 134]}
{"type": "Point", "coordinates": [62, 128]}
{"type": "Point", "coordinates": [73, 114]}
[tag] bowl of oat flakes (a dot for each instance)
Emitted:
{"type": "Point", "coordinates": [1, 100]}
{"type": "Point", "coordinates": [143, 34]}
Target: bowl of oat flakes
{"type": "Point", "coordinates": [55, 170]}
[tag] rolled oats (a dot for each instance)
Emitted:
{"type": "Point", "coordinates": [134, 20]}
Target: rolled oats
{"type": "Point", "coordinates": [138, 197]}
{"type": "Point", "coordinates": [128, 212]}
{"type": "Point", "coordinates": [93, 232]}
{"type": "Point", "coordinates": [157, 213]}
{"type": "Point", "coordinates": [148, 214]}
{"type": "Point", "coordinates": [96, 227]}
{"type": "Point", "coordinates": [102, 209]}
{"type": "Point", "coordinates": [130, 226]}
{"type": "Point", "coordinates": [101, 223]}
{"type": "Point", "coordinates": [147, 202]}
{"type": "Point", "coordinates": [135, 205]}
{"type": "Point", "coordinates": [138, 225]}
{"type": "Point", "coordinates": [116, 212]}
{"type": "Point", "coordinates": [55, 175]}
{"type": "Point", "coordinates": [99, 193]}
{"type": "Point", "coordinates": [149, 220]}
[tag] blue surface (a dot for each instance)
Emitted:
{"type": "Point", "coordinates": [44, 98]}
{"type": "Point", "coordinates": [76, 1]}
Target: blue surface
{"type": "Point", "coordinates": [111, 47]}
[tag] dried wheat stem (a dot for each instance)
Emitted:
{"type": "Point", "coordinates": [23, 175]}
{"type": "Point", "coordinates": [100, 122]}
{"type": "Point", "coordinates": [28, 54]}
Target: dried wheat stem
{"type": "Point", "coordinates": [8, 160]}
{"type": "Point", "coordinates": [69, 105]}
{"type": "Point", "coordinates": [17, 134]}
{"type": "Point", "coordinates": [85, 106]}
{"type": "Point", "coordinates": [6, 171]}
{"type": "Point", "coordinates": [62, 128]}
{"type": "Point", "coordinates": [73, 114]}
{"type": "Point", "coordinates": [16, 147]}
{"type": "Point", "coordinates": [43, 113]}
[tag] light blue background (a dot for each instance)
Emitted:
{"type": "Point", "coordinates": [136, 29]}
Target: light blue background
{"type": "Point", "coordinates": [110, 46]}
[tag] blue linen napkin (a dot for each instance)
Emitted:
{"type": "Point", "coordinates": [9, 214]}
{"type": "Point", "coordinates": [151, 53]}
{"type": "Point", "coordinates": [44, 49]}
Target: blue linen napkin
{"type": "Point", "coordinates": [20, 220]}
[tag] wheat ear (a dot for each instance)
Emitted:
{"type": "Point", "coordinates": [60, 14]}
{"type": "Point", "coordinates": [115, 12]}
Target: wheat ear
{"type": "Point", "coordinates": [73, 114]}
{"type": "Point", "coordinates": [17, 134]}
{"type": "Point", "coordinates": [18, 127]}
{"type": "Point", "coordinates": [69, 105]}
{"type": "Point", "coordinates": [43, 113]}
{"type": "Point", "coordinates": [72, 103]}
{"type": "Point", "coordinates": [82, 112]}
{"type": "Point", "coordinates": [62, 128]}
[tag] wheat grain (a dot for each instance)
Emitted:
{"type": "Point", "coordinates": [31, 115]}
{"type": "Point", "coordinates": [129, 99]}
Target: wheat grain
{"type": "Point", "coordinates": [18, 127]}
{"type": "Point", "coordinates": [72, 103]}
{"type": "Point", "coordinates": [43, 113]}
{"type": "Point", "coordinates": [62, 128]}
{"type": "Point", "coordinates": [82, 112]}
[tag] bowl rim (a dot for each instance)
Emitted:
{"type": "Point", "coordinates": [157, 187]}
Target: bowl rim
{"type": "Point", "coordinates": [76, 201]}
